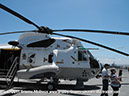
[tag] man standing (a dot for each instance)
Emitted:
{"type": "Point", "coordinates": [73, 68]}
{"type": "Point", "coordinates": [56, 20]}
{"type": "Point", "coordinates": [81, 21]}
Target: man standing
{"type": "Point", "coordinates": [120, 74]}
{"type": "Point", "coordinates": [105, 80]}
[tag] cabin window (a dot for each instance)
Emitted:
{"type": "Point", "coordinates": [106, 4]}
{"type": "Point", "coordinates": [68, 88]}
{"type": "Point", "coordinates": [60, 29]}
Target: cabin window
{"type": "Point", "coordinates": [24, 56]}
{"type": "Point", "coordinates": [50, 58]}
{"type": "Point", "coordinates": [42, 43]}
{"type": "Point", "coordinates": [82, 56]}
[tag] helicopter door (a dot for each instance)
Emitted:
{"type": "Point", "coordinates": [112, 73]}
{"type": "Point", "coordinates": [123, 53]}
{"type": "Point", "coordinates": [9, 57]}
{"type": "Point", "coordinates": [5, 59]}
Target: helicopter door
{"type": "Point", "coordinates": [7, 57]}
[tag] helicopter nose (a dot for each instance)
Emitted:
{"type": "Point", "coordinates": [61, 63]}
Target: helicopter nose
{"type": "Point", "coordinates": [93, 72]}
{"type": "Point", "coordinates": [95, 66]}
{"type": "Point", "coordinates": [94, 63]}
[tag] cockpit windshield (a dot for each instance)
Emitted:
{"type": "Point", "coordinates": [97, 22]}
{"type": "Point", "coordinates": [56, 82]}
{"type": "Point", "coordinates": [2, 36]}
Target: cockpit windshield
{"type": "Point", "coordinates": [85, 55]}
{"type": "Point", "coordinates": [82, 55]}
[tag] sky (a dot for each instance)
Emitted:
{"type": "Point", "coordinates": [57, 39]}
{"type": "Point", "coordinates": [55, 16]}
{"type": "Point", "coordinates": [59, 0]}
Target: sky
{"type": "Point", "coordinates": [110, 15]}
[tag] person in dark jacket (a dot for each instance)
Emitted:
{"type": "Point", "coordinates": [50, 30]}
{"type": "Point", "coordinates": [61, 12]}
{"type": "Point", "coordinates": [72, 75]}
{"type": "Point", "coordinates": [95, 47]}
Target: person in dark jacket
{"type": "Point", "coordinates": [120, 74]}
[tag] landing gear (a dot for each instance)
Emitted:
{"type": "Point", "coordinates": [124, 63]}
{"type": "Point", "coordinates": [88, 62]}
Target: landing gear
{"type": "Point", "coordinates": [52, 85]}
{"type": "Point", "coordinates": [79, 84]}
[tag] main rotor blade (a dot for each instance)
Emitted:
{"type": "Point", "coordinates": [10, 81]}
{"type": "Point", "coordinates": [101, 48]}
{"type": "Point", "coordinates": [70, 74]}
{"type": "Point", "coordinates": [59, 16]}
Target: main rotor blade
{"type": "Point", "coordinates": [94, 31]}
{"type": "Point", "coordinates": [117, 51]}
{"type": "Point", "coordinates": [18, 32]}
{"type": "Point", "coordinates": [18, 15]}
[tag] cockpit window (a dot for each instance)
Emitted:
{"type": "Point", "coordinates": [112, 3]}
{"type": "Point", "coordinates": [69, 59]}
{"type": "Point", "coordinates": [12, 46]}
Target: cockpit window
{"type": "Point", "coordinates": [42, 43]}
{"type": "Point", "coordinates": [82, 56]}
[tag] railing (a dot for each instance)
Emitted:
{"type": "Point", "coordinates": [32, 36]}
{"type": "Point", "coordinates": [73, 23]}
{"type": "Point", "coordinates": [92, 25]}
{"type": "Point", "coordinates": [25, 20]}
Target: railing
{"type": "Point", "coordinates": [12, 72]}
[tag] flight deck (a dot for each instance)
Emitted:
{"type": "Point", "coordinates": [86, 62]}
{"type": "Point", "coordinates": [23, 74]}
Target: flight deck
{"type": "Point", "coordinates": [65, 88]}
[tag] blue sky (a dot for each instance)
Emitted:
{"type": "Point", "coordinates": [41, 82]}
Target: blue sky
{"type": "Point", "coordinates": [80, 14]}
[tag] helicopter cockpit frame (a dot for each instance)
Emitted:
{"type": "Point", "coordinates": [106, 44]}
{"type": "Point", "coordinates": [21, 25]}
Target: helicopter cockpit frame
{"type": "Point", "coordinates": [84, 55]}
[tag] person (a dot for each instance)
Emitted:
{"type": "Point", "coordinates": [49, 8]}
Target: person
{"type": "Point", "coordinates": [115, 84]}
{"type": "Point", "coordinates": [105, 80]}
{"type": "Point", "coordinates": [120, 74]}
{"type": "Point", "coordinates": [128, 69]}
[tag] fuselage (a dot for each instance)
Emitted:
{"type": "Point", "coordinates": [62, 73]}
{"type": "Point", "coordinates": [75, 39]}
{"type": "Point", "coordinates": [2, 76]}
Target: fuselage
{"type": "Point", "coordinates": [41, 56]}
{"type": "Point", "coordinates": [69, 58]}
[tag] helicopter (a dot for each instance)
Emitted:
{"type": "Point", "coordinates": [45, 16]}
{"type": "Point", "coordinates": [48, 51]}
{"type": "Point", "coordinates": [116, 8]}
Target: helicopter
{"type": "Point", "coordinates": [38, 55]}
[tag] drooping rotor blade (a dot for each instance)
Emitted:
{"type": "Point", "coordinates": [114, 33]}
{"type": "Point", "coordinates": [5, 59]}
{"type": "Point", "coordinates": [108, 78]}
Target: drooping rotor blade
{"type": "Point", "coordinates": [111, 49]}
{"type": "Point", "coordinates": [18, 15]}
{"type": "Point", "coordinates": [93, 31]}
{"type": "Point", "coordinates": [18, 32]}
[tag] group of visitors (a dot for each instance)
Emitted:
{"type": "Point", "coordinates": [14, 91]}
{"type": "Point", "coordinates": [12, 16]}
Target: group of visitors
{"type": "Point", "coordinates": [112, 78]}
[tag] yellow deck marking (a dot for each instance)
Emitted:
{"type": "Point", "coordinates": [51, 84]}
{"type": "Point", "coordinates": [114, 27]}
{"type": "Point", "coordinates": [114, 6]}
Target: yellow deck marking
{"type": "Point", "coordinates": [10, 49]}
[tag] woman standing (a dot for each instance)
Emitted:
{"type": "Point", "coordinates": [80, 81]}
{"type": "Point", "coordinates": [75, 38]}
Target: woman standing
{"type": "Point", "coordinates": [115, 83]}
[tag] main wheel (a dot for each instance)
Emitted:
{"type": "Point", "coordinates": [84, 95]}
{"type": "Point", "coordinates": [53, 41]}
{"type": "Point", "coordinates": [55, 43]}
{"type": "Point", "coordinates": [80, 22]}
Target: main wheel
{"type": "Point", "coordinates": [51, 86]}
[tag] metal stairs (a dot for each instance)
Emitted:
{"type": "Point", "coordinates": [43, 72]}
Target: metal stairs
{"type": "Point", "coordinates": [9, 74]}
{"type": "Point", "coordinates": [12, 73]}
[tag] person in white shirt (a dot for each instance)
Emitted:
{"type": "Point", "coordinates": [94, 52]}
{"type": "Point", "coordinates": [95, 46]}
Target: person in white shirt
{"type": "Point", "coordinates": [105, 80]}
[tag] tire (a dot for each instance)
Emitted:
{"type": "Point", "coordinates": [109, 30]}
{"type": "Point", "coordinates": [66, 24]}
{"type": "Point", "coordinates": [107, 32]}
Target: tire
{"type": "Point", "coordinates": [50, 86]}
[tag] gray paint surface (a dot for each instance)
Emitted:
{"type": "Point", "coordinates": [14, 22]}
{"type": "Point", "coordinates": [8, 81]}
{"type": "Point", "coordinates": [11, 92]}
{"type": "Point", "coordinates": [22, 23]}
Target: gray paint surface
{"type": "Point", "coordinates": [66, 88]}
